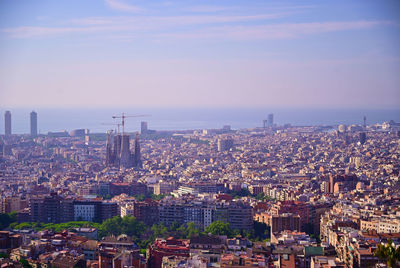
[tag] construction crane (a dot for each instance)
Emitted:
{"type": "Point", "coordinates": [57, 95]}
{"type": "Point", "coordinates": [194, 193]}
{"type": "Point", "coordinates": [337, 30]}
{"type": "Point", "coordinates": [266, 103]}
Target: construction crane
{"type": "Point", "coordinates": [113, 124]}
{"type": "Point", "coordinates": [123, 116]}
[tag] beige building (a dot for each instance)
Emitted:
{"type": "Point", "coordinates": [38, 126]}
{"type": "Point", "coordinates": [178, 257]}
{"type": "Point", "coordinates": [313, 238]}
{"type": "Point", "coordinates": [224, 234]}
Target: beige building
{"type": "Point", "coordinates": [381, 226]}
{"type": "Point", "coordinates": [127, 210]}
{"type": "Point", "coordinates": [9, 204]}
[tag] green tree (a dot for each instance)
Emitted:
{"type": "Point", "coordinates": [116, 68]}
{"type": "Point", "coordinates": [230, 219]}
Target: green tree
{"type": "Point", "coordinates": [3, 255]}
{"type": "Point", "coordinates": [126, 225]}
{"type": "Point", "coordinates": [25, 263]}
{"type": "Point", "coordinates": [181, 231]}
{"type": "Point", "coordinates": [238, 194]}
{"type": "Point", "coordinates": [132, 226]}
{"type": "Point", "coordinates": [174, 226]}
{"type": "Point", "coordinates": [140, 197]}
{"type": "Point", "coordinates": [7, 218]}
{"type": "Point", "coordinates": [143, 251]}
{"type": "Point", "coordinates": [27, 225]}
{"type": "Point", "coordinates": [248, 234]}
{"type": "Point", "coordinates": [157, 197]}
{"type": "Point", "coordinates": [261, 230]}
{"type": "Point", "coordinates": [192, 230]}
{"type": "Point", "coordinates": [111, 226]}
{"type": "Point", "coordinates": [260, 196]}
{"type": "Point", "coordinates": [388, 253]}
{"type": "Point", "coordinates": [159, 230]}
{"type": "Point", "coordinates": [219, 228]}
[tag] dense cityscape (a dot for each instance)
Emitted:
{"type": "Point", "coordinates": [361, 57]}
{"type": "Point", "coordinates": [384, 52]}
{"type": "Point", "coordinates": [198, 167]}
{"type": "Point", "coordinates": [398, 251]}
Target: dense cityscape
{"type": "Point", "coordinates": [199, 134]}
{"type": "Point", "coordinates": [268, 196]}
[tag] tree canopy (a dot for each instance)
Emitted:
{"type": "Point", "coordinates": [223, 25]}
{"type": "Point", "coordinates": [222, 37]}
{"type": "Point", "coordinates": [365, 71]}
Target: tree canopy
{"type": "Point", "coordinates": [388, 253]}
{"type": "Point", "coordinates": [219, 228]}
{"type": "Point", "coordinates": [7, 218]}
{"type": "Point", "coordinates": [126, 225]}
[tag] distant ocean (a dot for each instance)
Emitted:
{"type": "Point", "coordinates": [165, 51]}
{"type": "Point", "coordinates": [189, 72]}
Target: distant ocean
{"type": "Point", "coordinates": [182, 119]}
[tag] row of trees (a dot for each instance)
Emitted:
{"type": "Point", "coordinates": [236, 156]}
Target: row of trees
{"type": "Point", "coordinates": [57, 227]}
{"type": "Point", "coordinates": [143, 235]}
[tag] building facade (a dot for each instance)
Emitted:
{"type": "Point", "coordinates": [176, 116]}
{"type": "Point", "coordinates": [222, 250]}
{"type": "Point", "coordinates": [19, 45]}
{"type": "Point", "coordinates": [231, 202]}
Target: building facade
{"type": "Point", "coordinates": [34, 131]}
{"type": "Point", "coordinates": [7, 123]}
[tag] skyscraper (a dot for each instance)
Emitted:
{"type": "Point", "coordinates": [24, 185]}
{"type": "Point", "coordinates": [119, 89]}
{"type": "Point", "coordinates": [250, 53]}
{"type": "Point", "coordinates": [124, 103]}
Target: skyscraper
{"type": "Point", "coordinates": [33, 124]}
{"type": "Point", "coordinates": [365, 122]}
{"type": "Point", "coordinates": [143, 127]}
{"type": "Point", "coordinates": [270, 120]}
{"type": "Point", "coordinates": [265, 123]}
{"type": "Point", "coordinates": [7, 121]}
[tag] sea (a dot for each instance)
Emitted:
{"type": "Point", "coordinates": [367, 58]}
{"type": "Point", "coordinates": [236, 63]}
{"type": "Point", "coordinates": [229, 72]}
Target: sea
{"type": "Point", "coordinates": [100, 120]}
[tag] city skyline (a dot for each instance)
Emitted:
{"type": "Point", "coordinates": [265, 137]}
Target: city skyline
{"type": "Point", "coordinates": [188, 133]}
{"type": "Point", "coordinates": [121, 53]}
{"type": "Point", "coordinates": [98, 120]}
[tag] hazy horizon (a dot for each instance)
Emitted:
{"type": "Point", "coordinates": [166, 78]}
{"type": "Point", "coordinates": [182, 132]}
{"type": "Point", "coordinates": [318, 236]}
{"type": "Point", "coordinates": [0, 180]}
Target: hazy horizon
{"type": "Point", "coordinates": [185, 118]}
{"type": "Point", "coordinates": [225, 54]}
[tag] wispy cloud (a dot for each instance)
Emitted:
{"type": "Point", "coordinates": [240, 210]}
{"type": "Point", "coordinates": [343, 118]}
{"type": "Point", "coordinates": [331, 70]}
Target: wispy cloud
{"type": "Point", "coordinates": [129, 24]}
{"type": "Point", "coordinates": [276, 31]}
{"type": "Point", "coordinates": [237, 27]}
{"type": "Point", "coordinates": [171, 21]}
{"type": "Point", "coordinates": [34, 31]}
{"type": "Point", "coordinates": [122, 6]}
{"type": "Point", "coordinates": [209, 9]}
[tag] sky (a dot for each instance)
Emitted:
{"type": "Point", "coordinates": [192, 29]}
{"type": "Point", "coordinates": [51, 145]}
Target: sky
{"type": "Point", "coordinates": [199, 53]}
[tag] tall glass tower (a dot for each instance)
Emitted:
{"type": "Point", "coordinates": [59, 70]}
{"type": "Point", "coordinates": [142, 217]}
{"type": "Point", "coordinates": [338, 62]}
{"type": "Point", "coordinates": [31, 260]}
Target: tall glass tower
{"type": "Point", "coordinates": [33, 124]}
{"type": "Point", "coordinates": [7, 121]}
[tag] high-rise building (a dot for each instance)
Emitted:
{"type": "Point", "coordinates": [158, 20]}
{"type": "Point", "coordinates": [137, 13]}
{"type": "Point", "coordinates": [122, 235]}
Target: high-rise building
{"type": "Point", "coordinates": [33, 124]}
{"type": "Point", "coordinates": [240, 216]}
{"type": "Point", "coordinates": [12, 203]}
{"type": "Point", "coordinates": [270, 120]}
{"type": "Point", "coordinates": [46, 208]}
{"type": "Point", "coordinates": [55, 209]}
{"type": "Point", "coordinates": [143, 127]}
{"type": "Point", "coordinates": [171, 211]}
{"type": "Point", "coordinates": [265, 123]}
{"type": "Point", "coordinates": [146, 211]}
{"type": "Point", "coordinates": [7, 121]}
{"type": "Point", "coordinates": [365, 122]}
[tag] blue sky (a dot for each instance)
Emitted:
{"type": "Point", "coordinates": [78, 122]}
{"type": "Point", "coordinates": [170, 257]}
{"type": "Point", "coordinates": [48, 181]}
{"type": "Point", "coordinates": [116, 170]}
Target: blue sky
{"type": "Point", "coordinates": [132, 53]}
